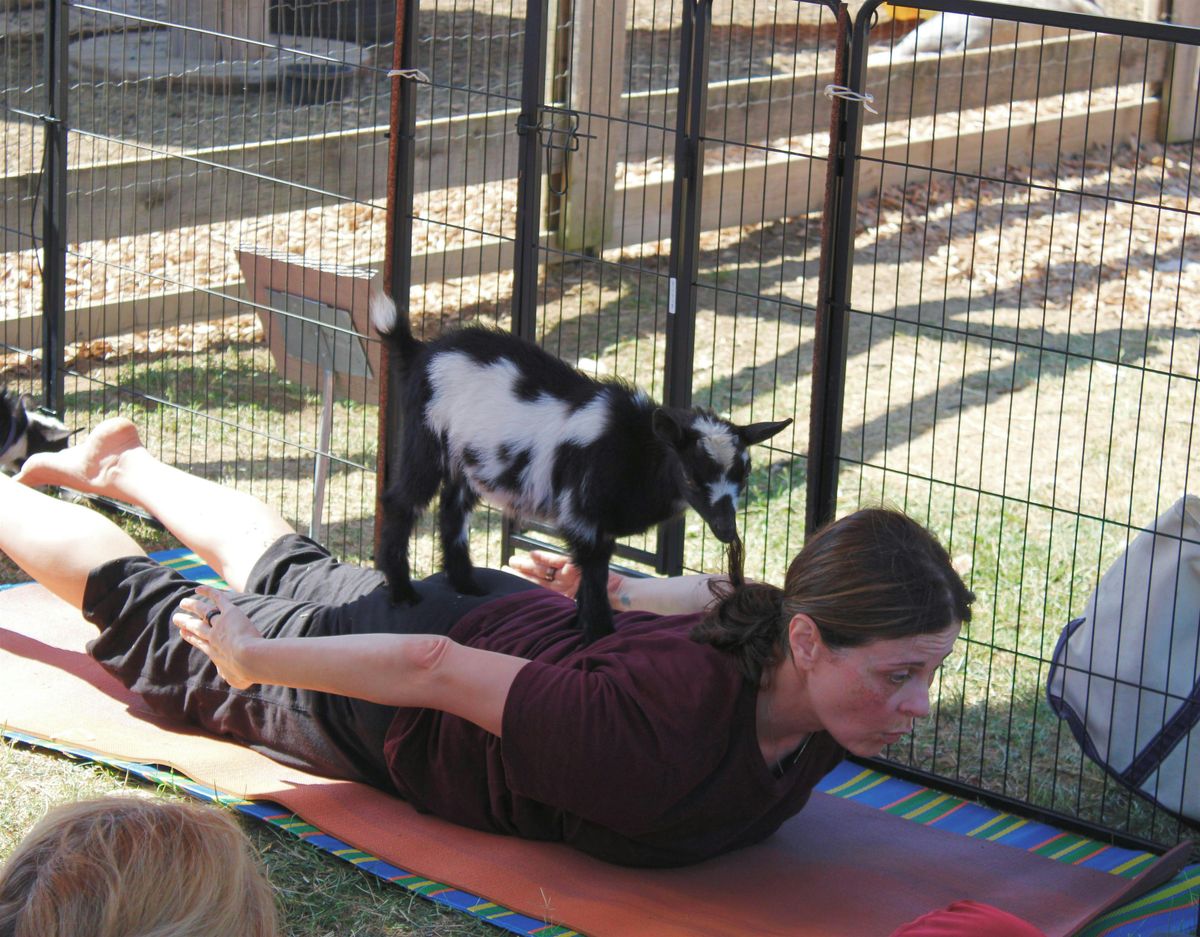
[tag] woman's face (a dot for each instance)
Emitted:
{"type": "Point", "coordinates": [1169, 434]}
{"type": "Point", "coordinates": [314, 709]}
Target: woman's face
{"type": "Point", "coordinates": [868, 697]}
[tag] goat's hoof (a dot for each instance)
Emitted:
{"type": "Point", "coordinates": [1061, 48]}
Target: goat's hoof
{"type": "Point", "coordinates": [404, 595]}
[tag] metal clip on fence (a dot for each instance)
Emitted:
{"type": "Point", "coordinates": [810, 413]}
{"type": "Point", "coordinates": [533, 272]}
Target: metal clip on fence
{"type": "Point", "coordinates": [411, 74]}
{"type": "Point", "coordinates": [866, 99]}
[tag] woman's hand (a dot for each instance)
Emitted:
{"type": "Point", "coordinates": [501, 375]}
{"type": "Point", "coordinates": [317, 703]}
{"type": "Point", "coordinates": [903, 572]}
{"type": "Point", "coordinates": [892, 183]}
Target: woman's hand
{"type": "Point", "coordinates": [210, 622]}
{"type": "Point", "coordinates": [558, 574]}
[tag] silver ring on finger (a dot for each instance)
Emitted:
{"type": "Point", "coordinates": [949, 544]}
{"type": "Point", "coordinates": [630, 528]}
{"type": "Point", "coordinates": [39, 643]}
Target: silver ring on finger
{"type": "Point", "coordinates": [550, 575]}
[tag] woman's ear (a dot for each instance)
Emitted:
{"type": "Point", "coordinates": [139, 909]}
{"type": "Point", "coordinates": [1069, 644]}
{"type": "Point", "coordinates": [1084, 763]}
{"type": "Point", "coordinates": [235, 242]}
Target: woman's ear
{"type": "Point", "coordinates": [804, 639]}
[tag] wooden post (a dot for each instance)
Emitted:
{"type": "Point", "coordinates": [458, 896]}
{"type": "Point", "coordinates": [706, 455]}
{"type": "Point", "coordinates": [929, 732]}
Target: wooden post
{"type": "Point", "coordinates": [1179, 93]}
{"type": "Point", "coordinates": [597, 68]}
{"type": "Point", "coordinates": [186, 43]}
{"type": "Point", "coordinates": [247, 19]}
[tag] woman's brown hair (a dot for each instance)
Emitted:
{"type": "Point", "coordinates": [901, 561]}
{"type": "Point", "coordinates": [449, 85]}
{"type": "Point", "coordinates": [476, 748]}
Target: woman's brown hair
{"type": "Point", "coordinates": [873, 575]}
{"type": "Point", "coordinates": [135, 867]}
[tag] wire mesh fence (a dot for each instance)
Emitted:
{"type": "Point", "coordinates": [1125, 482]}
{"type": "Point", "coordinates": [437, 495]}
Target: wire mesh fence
{"type": "Point", "coordinates": [989, 283]}
{"type": "Point", "coordinates": [1021, 359]}
{"type": "Point", "coordinates": [25, 97]}
{"type": "Point", "coordinates": [760, 234]}
{"type": "Point", "coordinates": [200, 136]}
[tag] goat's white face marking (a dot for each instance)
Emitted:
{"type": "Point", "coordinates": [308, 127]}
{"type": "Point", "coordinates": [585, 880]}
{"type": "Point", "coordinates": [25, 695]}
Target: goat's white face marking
{"type": "Point", "coordinates": [476, 406]}
{"type": "Point", "coordinates": [51, 428]}
{"type": "Point", "coordinates": [720, 489]}
{"type": "Point", "coordinates": [718, 441]}
{"type": "Point", "coordinates": [40, 427]}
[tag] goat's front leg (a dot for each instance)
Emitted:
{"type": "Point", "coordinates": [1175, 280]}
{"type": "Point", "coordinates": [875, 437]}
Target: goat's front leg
{"type": "Point", "coordinates": [454, 516]}
{"type": "Point", "coordinates": [595, 612]}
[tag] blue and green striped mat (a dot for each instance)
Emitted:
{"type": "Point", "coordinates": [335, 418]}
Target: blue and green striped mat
{"type": "Point", "coordinates": [1173, 909]}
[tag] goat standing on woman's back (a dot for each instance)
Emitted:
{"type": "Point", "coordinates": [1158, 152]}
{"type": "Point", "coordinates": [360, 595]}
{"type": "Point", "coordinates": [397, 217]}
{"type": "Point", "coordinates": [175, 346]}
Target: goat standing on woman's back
{"type": "Point", "coordinates": [489, 415]}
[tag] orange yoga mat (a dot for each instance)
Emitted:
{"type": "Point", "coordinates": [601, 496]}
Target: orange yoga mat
{"type": "Point", "coordinates": [837, 868]}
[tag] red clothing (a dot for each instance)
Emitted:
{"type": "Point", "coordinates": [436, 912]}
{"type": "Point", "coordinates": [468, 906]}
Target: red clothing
{"type": "Point", "coordinates": [968, 919]}
{"type": "Point", "coordinates": [639, 749]}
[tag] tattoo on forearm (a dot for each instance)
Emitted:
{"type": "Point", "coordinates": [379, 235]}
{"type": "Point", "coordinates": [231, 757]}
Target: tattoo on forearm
{"type": "Point", "coordinates": [625, 600]}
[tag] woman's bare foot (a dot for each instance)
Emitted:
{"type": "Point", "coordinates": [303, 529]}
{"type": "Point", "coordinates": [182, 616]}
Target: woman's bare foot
{"type": "Point", "coordinates": [92, 466]}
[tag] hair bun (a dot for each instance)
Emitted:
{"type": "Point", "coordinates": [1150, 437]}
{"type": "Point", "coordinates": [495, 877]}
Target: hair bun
{"type": "Point", "coordinates": [745, 621]}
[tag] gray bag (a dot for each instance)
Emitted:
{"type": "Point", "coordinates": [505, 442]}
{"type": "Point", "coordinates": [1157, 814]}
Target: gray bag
{"type": "Point", "coordinates": [1126, 675]}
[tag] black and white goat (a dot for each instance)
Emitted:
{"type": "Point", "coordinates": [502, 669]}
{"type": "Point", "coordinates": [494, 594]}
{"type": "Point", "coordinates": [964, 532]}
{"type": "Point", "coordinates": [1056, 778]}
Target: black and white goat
{"type": "Point", "coordinates": [488, 415]}
{"type": "Point", "coordinates": [24, 431]}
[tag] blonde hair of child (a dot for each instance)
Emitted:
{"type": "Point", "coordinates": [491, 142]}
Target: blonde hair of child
{"type": "Point", "coordinates": [135, 867]}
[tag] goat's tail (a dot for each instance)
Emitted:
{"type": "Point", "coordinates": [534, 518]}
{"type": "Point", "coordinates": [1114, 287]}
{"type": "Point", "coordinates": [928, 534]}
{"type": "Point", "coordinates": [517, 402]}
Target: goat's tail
{"type": "Point", "coordinates": [392, 325]}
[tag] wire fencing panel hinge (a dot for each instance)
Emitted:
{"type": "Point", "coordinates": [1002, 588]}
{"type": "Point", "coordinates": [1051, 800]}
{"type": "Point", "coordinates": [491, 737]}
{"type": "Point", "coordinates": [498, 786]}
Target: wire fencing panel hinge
{"type": "Point", "coordinates": [558, 128]}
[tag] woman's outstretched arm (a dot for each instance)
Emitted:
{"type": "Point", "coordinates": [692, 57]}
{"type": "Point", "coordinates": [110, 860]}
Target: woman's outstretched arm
{"type": "Point", "coordinates": [675, 595]}
{"type": "Point", "coordinates": [427, 671]}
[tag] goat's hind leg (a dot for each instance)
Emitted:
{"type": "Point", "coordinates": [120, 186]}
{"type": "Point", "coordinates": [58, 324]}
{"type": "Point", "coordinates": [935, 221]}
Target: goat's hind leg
{"type": "Point", "coordinates": [595, 610]}
{"type": "Point", "coordinates": [400, 516]}
{"type": "Point", "coordinates": [454, 515]}
{"type": "Point", "coordinates": [403, 502]}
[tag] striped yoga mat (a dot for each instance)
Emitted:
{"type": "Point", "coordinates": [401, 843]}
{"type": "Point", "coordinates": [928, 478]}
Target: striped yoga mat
{"type": "Point", "coordinates": [1171, 909]}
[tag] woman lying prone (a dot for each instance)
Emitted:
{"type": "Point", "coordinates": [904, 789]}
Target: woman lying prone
{"type": "Point", "coordinates": [699, 726]}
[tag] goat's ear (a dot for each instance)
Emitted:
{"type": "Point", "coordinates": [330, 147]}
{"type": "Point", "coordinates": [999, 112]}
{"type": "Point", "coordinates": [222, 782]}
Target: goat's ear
{"type": "Point", "coordinates": [757, 432]}
{"type": "Point", "coordinates": [667, 427]}
{"type": "Point", "coordinates": [50, 428]}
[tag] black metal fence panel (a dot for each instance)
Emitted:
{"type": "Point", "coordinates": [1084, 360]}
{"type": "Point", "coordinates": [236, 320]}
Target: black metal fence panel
{"type": "Point", "coordinates": [684, 151]}
{"type": "Point", "coordinates": [467, 76]}
{"type": "Point", "coordinates": [27, 108]}
{"type": "Point", "coordinates": [464, 85]}
{"type": "Point", "coordinates": [217, 165]}
{"type": "Point", "coordinates": [1021, 367]}
{"type": "Point", "coordinates": [765, 163]}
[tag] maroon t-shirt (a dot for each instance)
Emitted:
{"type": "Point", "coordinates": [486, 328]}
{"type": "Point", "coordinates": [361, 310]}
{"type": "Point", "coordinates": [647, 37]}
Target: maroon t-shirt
{"type": "Point", "coordinates": [639, 749]}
